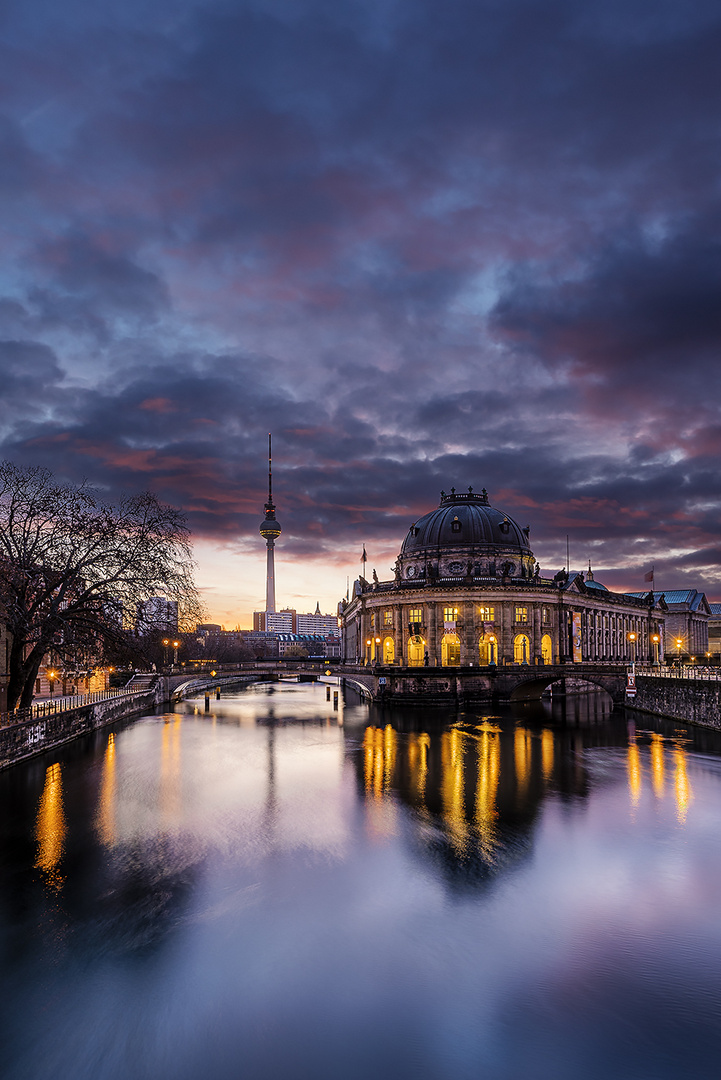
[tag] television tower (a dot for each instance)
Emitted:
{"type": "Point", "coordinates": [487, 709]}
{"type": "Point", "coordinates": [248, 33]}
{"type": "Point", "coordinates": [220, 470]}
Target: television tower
{"type": "Point", "coordinates": [270, 529]}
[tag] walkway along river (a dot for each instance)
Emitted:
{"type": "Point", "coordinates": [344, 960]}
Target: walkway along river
{"type": "Point", "coordinates": [281, 888]}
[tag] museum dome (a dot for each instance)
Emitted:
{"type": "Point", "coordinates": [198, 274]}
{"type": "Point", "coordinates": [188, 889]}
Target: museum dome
{"type": "Point", "coordinates": [465, 534]}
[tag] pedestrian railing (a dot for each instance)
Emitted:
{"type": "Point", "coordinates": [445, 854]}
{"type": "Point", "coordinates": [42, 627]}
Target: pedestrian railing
{"type": "Point", "coordinates": [65, 704]}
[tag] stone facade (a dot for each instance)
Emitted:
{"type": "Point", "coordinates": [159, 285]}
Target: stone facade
{"type": "Point", "coordinates": [485, 603]}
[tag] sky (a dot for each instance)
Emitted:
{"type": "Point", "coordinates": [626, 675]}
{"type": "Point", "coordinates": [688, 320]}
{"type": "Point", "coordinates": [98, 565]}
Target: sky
{"type": "Point", "coordinates": [425, 245]}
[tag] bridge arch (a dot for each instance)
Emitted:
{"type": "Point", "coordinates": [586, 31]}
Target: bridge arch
{"type": "Point", "coordinates": [533, 687]}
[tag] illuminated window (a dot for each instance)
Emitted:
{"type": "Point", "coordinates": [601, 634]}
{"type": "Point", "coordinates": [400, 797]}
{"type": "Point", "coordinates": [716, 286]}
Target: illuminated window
{"type": "Point", "coordinates": [521, 614]}
{"type": "Point", "coordinates": [521, 649]}
{"type": "Point", "coordinates": [456, 525]}
{"type": "Point", "coordinates": [450, 614]}
{"type": "Point", "coordinates": [388, 618]}
{"type": "Point", "coordinates": [488, 614]}
{"type": "Point", "coordinates": [545, 615]}
{"type": "Point", "coordinates": [415, 615]}
{"type": "Point", "coordinates": [373, 620]}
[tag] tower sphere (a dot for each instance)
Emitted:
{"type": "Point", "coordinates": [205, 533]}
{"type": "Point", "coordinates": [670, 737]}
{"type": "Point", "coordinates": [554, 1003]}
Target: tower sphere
{"type": "Point", "coordinates": [269, 527]}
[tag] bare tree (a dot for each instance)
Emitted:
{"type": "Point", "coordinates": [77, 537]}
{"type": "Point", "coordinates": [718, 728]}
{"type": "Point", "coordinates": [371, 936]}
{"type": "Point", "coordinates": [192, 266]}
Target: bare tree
{"type": "Point", "coordinates": [73, 569]}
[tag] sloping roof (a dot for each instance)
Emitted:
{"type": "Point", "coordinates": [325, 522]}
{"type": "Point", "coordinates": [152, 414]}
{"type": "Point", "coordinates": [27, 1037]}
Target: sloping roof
{"type": "Point", "coordinates": [688, 598]}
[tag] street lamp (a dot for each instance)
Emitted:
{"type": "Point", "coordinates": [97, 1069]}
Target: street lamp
{"type": "Point", "coordinates": [176, 646]}
{"type": "Point", "coordinates": [655, 639]}
{"type": "Point", "coordinates": [632, 639]}
{"type": "Point", "coordinates": [368, 651]}
{"type": "Point", "coordinates": [378, 645]}
{"type": "Point", "coordinates": [491, 650]}
{"type": "Point", "coordinates": [166, 642]}
{"type": "Point", "coordinates": [679, 643]}
{"type": "Point", "coordinates": [52, 676]}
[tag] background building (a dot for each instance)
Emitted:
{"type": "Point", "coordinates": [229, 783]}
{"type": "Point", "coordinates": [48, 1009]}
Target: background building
{"type": "Point", "coordinates": [714, 633]}
{"type": "Point", "coordinates": [156, 615]}
{"type": "Point", "coordinates": [279, 622]}
{"type": "Point", "coordinates": [687, 623]}
{"type": "Point", "coordinates": [315, 623]}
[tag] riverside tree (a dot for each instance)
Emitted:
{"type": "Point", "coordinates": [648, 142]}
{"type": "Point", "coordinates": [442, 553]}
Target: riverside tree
{"type": "Point", "coordinates": [74, 568]}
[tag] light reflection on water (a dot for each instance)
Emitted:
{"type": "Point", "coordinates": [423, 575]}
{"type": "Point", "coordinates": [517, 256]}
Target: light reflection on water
{"type": "Point", "coordinates": [278, 887]}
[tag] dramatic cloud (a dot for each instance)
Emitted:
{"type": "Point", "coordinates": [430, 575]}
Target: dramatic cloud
{"type": "Point", "coordinates": [424, 246]}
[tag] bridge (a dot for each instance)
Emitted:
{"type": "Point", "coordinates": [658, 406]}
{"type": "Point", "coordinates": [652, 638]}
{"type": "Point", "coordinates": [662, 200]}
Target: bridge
{"type": "Point", "coordinates": [418, 685]}
{"type": "Point", "coordinates": [484, 685]}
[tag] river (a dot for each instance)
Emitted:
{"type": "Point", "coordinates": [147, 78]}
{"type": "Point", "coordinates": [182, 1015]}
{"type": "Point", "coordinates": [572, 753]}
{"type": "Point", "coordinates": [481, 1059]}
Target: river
{"type": "Point", "coordinates": [281, 888]}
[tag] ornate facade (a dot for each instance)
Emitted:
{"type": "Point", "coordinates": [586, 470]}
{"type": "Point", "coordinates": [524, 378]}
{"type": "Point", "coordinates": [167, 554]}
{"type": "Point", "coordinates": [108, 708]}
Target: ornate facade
{"type": "Point", "coordinates": [468, 591]}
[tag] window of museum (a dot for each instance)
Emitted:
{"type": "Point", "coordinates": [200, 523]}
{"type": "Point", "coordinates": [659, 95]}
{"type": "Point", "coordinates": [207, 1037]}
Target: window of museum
{"type": "Point", "coordinates": [521, 614]}
{"type": "Point", "coordinates": [373, 620]}
{"type": "Point", "coordinates": [450, 614]}
{"type": "Point", "coordinates": [388, 618]}
{"type": "Point", "coordinates": [487, 614]}
{"type": "Point", "coordinates": [415, 615]}
{"type": "Point", "coordinates": [456, 525]}
{"type": "Point", "coordinates": [545, 615]}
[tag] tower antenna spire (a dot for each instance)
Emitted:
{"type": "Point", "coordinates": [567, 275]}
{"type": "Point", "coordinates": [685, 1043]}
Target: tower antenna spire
{"type": "Point", "coordinates": [270, 471]}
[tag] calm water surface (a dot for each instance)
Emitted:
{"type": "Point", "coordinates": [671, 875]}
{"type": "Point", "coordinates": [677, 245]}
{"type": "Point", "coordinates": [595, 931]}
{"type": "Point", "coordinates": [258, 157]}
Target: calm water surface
{"type": "Point", "coordinates": [281, 889]}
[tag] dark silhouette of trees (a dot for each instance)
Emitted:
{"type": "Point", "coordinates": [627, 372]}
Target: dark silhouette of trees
{"type": "Point", "coordinates": [73, 570]}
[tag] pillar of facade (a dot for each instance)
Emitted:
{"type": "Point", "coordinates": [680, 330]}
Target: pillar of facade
{"type": "Point", "coordinates": [400, 637]}
{"type": "Point", "coordinates": [432, 641]}
{"type": "Point", "coordinates": [505, 632]}
{"type": "Point", "coordinates": [468, 655]}
{"type": "Point", "coordinates": [536, 635]}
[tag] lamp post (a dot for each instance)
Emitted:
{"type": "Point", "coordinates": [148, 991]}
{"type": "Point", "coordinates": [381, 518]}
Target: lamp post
{"type": "Point", "coordinates": [368, 651]}
{"type": "Point", "coordinates": [52, 676]}
{"type": "Point", "coordinates": [492, 651]}
{"type": "Point", "coordinates": [655, 639]}
{"type": "Point", "coordinates": [679, 643]}
{"type": "Point", "coordinates": [378, 645]}
{"type": "Point", "coordinates": [176, 646]}
{"type": "Point", "coordinates": [166, 642]}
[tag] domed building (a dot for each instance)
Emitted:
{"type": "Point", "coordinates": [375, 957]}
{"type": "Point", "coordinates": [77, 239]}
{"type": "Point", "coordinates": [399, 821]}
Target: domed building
{"type": "Point", "coordinates": [468, 591]}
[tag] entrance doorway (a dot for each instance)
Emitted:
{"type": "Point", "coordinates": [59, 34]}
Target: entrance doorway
{"type": "Point", "coordinates": [450, 650]}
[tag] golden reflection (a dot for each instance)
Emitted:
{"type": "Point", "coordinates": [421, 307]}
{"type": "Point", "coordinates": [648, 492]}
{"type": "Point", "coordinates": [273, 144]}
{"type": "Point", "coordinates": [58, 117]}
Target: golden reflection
{"type": "Point", "coordinates": [684, 794]}
{"type": "Point", "coordinates": [379, 759]}
{"type": "Point", "coordinates": [390, 747]}
{"type": "Point", "coordinates": [489, 768]}
{"type": "Point", "coordinates": [418, 746]}
{"type": "Point", "coordinates": [547, 754]}
{"type": "Point", "coordinates": [170, 793]}
{"type": "Point", "coordinates": [106, 805]}
{"type": "Point", "coordinates": [634, 772]}
{"type": "Point", "coordinates": [452, 787]}
{"type": "Point", "coordinates": [50, 826]}
{"type": "Point", "coordinates": [522, 745]}
{"type": "Point", "coordinates": [368, 756]}
{"type": "Point", "coordinates": [657, 765]}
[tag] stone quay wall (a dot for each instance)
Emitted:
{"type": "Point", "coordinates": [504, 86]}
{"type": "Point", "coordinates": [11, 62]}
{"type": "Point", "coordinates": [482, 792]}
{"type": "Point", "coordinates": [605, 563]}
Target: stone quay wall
{"type": "Point", "coordinates": [30, 737]}
{"type": "Point", "coordinates": [694, 701]}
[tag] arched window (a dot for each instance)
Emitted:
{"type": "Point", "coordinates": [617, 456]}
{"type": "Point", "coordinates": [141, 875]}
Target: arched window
{"type": "Point", "coordinates": [488, 650]}
{"type": "Point", "coordinates": [389, 651]}
{"type": "Point", "coordinates": [416, 651]}
{"type": "Point", "coordinates": [547, 649]}
{"type": "Point", "coordinates": [450, 650]}
{"type": "Point", "coordinates": [521, 649]}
